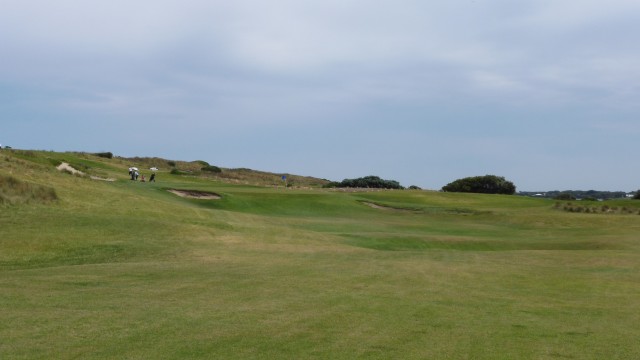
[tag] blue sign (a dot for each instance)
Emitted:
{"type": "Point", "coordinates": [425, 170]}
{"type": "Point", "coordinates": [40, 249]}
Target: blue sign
{"type": "Point", "coordinates": [284, 177]}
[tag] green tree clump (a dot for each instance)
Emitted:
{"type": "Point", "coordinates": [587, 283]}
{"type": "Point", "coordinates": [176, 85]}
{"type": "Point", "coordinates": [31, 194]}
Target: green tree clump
{"type": "Point", "coordinates": [488, 184]}
{"type": "Point", "coordinates": [106, 155]}
{"type": "Point", "coordinates": [211, 169]}
{"type": "Point", "coordinates": [366, 182]}
{"type": "Point", "coordinates": [637, 195]}
{"type": "Point", "coordinates": [564, 196]}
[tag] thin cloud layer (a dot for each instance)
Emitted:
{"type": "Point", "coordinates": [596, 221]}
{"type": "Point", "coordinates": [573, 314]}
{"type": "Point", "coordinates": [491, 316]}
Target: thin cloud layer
{"type": "Point", "coordinates": [454, 88]}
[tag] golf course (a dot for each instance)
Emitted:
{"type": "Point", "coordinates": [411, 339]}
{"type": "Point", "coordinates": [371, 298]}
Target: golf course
{"type": "Point", "coordinates": [94, 265]}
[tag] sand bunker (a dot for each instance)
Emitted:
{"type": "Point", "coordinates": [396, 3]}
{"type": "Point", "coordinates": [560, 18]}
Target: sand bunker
{"type": "Point", "coordinates": [383, 207]}
{"type": "Point", "coordinates": [195, 194]}
{"type": "Point", "coordinates": [66, 167]}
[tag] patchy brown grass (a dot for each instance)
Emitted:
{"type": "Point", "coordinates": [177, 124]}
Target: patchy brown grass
{"type": "Point", "coordinates": [14, 191]}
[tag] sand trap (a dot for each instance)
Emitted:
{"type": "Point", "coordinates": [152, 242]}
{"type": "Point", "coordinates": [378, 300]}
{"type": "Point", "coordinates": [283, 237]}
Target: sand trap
{"type": "Point", "coordinates": [195, 194]}
{"type": "Point", "coordinates": [101, 178]}
{"type": "Point", "coordinates": [66, 167]}
{"type": "Point", "coordinates": [381, 207]}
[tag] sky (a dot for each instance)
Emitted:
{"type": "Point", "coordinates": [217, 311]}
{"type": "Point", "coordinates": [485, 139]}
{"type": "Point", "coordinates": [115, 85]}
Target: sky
{"type": "Point", "coordinates": [543, 92]}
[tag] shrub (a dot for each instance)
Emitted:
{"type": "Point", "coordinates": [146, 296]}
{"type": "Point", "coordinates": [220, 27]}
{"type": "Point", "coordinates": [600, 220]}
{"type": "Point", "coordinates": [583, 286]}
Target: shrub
{"type": "Point", "coordinates": [106, 155]}
{"type": "Point", "coordinates": [637, 195]}
{"type": "Point", "coordinates": [54, 162]}
{"type": "Point", "coordinates": [414, 187]}
{"type": "Point", "coordinates": [564, 196]}
{"type": "Point", "coordinates": [488, 184]}
{"type": "Point", "coordinates": [211, 169]}
{"type": "Point", "coordinates": [178, 172]}
{"type": "Point", "coordinates": [171, 163]}
{"type": "Point", "coordinates": [367, 182]}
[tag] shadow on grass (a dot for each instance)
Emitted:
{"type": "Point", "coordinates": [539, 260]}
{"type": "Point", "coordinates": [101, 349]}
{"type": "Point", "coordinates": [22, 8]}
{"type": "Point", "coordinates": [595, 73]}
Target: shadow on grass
{"type": "Point", "coordinates": [426, 244]}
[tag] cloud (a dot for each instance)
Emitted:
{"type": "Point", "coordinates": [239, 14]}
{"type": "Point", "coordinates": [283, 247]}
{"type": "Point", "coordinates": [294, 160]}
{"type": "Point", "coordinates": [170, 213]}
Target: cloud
{"type": "Point", "coordinates": [469, 72]}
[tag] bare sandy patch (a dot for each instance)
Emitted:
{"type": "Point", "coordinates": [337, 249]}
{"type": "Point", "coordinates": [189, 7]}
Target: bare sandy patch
{"type": "Point", "coordinates": [66, 167]}
{"type": "Point", "coordinates": [101, 178]}
{"type": "Point", "coordinates": [195, 194]}
{"type": "Point", "coordinates": [382, 207]}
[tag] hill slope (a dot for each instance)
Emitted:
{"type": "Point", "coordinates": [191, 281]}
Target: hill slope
{"type": "Point", "coordinates": [127, 269]}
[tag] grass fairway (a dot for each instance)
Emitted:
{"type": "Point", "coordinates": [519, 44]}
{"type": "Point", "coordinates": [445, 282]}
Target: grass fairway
{"type": "Point", "coordinates": [127, 270]}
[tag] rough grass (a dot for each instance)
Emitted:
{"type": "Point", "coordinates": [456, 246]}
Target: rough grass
{"type": "Point", "coordinates": [14, 191]}
{"type": "Point", "coordinates": [128, 270]}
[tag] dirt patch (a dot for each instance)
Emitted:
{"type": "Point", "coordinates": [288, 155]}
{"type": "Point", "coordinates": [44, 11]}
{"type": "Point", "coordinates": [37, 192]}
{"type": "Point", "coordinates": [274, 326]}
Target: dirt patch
{"type": "Point", "coordinates": [195, 194]}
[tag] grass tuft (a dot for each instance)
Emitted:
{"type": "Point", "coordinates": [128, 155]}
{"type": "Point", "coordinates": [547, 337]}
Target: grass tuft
{"type": "Point", "coordinates": [14, 192]}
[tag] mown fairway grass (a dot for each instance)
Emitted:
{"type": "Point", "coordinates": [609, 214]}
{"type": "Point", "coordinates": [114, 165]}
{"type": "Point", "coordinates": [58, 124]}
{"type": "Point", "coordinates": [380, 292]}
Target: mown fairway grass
{"type": "Point", "coordinates": [127, 270]}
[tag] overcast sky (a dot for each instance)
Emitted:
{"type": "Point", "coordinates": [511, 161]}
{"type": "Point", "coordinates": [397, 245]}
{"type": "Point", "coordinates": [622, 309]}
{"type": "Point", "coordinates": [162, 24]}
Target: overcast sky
{"type": "Point", "coordinates": [543, 92]}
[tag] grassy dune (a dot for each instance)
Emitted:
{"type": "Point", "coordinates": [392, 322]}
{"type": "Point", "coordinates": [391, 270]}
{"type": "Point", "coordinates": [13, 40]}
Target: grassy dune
{"type": "Point", "coordinates": [127, 270]}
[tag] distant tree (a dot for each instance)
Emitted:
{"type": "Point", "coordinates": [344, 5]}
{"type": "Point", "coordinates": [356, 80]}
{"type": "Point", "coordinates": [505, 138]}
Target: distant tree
{"type": "Point", "coordinates": [488, 184]}
{"type": "Point", "coordinates": [107, 155]}
{"type": "Point", "coordinates": [564, 196]}
{"type": "Point", "coordinates": [637, 195]}
{"type": "Point", "coordinates": [414, 187]}
{"type": "Point", "coordinates": [367, 182]}
{"type": "Point", "coordinates": [211, 169]}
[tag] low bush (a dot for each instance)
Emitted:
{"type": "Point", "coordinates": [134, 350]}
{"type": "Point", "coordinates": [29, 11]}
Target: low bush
{"type": "Point", "coordinates": [106, 155]}
{"type": "Point", "coordinates": [178, 172]}
{"type": "Point", "coordinates": [564, 196]}
{"type": "Point", "coordinates": [211, 169]}
{"type": "Point", "coordinates": [604, 209]}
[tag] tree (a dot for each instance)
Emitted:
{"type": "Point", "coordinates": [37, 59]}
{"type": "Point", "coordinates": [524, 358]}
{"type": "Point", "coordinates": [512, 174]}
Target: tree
{"type": "Point", "coordinates": [564, 196]}
{"type": "Point", "coordinates": [488, 184]}
{"type": "Point", "coordinates": [366, 182]}
{"type": "Point", "coordinates": [637, 195]}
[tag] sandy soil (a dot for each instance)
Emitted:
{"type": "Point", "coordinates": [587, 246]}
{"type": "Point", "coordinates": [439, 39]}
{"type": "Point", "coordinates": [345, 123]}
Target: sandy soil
{"type": "Point", "coordinates": [376, 206]}
{"type": "Point", "coordinates": [66, 167]}
{"type": "Point", "coordinates": [195, 194]}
